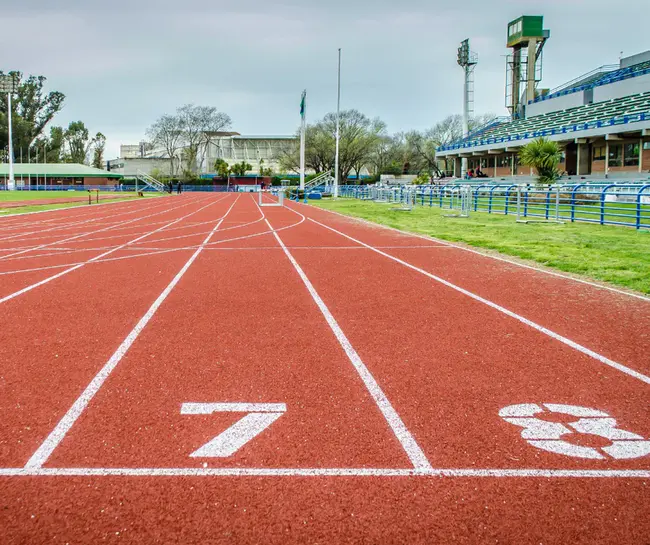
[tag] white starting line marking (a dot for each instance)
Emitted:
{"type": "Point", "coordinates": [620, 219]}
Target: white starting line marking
{"type": "Point", "coordinates": [260, 416]}
{"type": "Point", "coordinates": [325, 472]}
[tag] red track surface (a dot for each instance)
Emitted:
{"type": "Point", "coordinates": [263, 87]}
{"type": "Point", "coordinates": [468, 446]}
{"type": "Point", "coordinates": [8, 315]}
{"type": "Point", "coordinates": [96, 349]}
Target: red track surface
{"type": "Point", "coordinates": [391, 375]}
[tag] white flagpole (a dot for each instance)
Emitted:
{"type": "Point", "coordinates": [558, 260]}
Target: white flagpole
{"type": "Point", "coordinates": [335, 193]}
{"type": "Point", "coordinates": [302, 138]}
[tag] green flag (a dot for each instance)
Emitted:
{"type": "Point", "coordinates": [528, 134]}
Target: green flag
{"type": "Point", "coordinates": [303, 104]}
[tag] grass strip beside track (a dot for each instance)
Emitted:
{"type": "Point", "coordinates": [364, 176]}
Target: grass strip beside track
{"type": "Point", "coordinates": [612, 254]}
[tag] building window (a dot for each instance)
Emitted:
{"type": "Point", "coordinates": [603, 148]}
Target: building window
{"type": "Point", "coordinates": [599, 153]}
{"type": "Point", "coordinates": [631, 155]}
{"type": "Point", "coordinates": [488, 162]}
{"type": "Point", "coordinates": [615, 155]}
{"type": "Point", "coordinates": [503, 161]}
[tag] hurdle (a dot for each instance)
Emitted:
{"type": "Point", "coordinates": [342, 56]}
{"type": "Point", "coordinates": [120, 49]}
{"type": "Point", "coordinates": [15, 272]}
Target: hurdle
{"type": "Point", "coordinates": [278, 194]}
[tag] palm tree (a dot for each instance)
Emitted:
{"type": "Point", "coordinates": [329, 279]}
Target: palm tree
{"type": "Point", "coordinates": [544, 156]}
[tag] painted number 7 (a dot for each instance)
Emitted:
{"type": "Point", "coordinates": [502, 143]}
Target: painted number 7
{"type": "Point", "coordinates": [259, 417]}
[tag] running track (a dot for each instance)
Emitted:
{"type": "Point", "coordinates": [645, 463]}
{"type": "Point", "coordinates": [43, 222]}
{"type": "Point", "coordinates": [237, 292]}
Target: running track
{"type": "Point", "coordinates": [199, 369]}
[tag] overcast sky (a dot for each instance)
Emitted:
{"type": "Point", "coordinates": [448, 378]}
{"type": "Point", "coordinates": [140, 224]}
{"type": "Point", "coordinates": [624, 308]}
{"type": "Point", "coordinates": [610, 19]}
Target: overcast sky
{"type": "Point", "coordinates": [122, 64]}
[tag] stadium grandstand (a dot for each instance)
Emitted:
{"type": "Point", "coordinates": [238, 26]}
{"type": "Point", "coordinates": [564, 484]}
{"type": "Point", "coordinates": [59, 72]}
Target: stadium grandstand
{"type": "Point", "coordinates": [600, 119]}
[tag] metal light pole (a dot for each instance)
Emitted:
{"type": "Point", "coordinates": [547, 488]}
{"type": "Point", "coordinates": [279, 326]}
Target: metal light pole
{"type": "Point", "coordinates": [335, 193]}
{"type": "Point", "coordinates": [8, 85]}
{"type": "Point", "coordinates": [303, 115]}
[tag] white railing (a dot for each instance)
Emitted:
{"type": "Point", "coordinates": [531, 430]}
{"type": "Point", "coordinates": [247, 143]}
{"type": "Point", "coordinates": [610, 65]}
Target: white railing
{"type": "Point", "coordinates": [325, 178]}
{"type": "Point", "coordinates": [150, 181]}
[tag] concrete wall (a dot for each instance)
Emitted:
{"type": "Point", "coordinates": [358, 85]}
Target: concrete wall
{"type": "Point", "coordinates": [631, 86]}
{"type": "Point", "coordinates": [635, 59]}
{"type": "Point", "coordinates": [554, 104]}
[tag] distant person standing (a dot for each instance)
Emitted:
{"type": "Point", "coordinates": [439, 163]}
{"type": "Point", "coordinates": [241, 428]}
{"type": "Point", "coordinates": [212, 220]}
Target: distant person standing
{"type": "Point", "coordinates": [179, 187]}
{"type": "Point", "coordinates": [171, 187]}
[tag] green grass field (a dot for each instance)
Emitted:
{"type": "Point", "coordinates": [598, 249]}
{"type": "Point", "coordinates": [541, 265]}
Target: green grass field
{"type": "Point", "coordinates": [618, 255]}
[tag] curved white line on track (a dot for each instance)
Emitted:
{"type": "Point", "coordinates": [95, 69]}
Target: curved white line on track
{"type": "Point", "coordinates": [64, 210]}
{"type": "Point", "coordinates": [94, 259]}
{"type": "Point", "coordinates": [158, 252]}
{"type": "Point", "coordinates": [78, 236]}
{"type": "Point", "coordinates": [61, 227]}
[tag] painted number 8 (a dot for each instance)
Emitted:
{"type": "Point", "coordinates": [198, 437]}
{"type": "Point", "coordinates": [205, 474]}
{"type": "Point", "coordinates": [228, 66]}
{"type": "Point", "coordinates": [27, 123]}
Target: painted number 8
{"type": "Point", "coordinates": [547, 435]}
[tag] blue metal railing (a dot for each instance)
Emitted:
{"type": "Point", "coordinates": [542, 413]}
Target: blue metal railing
{"type": "Point", "coordinates": [623, 203]}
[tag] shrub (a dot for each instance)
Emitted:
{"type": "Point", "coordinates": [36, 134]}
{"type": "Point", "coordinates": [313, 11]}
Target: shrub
{"type": "Point", "coordinates": [544, 156]}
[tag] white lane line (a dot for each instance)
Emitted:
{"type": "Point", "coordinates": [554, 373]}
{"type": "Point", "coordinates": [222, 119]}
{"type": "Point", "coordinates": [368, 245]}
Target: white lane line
{"type": "Point", "coordinates": [99, 220]}
{"type": "Point", "coordinates": [75, 237]}
{"type": "Point", "coordinates": [59, 432]}
{"type": "Point", "coordinates": [534, 325]}
{"type": "Point", "coordinates": [408, 442]}
{"type": "Point", "coordinates": [96, 258]}
{"type": "Point", "coordinates": [326, 472]}
{"type": "Point", "coordinates": [169, 250]}
{"type": "Point", "coordinates": [497, 258]}
{"type": "Point", "coordinates": [63, 209]}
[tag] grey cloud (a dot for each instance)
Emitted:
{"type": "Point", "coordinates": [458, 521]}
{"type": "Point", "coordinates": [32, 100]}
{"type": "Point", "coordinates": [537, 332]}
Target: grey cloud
{"type": "Point", "coordinates": [123, 63]}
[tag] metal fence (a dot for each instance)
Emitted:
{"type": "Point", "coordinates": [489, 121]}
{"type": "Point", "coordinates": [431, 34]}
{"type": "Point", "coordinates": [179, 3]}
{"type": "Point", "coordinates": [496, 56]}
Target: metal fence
{"type": "Point", "coordinates": [605, 204]}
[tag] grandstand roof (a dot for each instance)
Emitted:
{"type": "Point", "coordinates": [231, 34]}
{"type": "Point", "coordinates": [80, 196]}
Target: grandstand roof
{"type": "Point", "coordinates": [56, 170]}
{"type": "Point", "coordinates": [601, 117]}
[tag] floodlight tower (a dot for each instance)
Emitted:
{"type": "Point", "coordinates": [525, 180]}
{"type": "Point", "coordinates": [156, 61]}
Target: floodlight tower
{"type": "Point", "coordinates": [526, 38]}
{"type": "Point", "coordinates": [467, 60]}
{"type": "Point", "coordinates": [9, 85]}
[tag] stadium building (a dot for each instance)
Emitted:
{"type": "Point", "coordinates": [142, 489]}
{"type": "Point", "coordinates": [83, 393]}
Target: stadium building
{"type": "Point", "coordinates": [258, 151]}
{"type": "Point", "coordinates": [600, 119]}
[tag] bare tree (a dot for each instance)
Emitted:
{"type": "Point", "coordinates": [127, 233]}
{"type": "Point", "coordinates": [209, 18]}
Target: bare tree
{"type": "Point", "coordinates": [423, 145]}
{"type": "Point", "coordinates": [199, 125]}
{"type": "Point", "coordinates": [167, 133]}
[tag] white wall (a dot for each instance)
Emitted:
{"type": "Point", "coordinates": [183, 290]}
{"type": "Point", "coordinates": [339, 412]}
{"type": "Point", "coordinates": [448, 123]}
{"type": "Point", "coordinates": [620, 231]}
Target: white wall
{"type": "Point", "coordinates": [555, 104]}
{"type": "Point", "coordinates": [130, 167]}
{"type": "Point", "coordinates": [631, 86]}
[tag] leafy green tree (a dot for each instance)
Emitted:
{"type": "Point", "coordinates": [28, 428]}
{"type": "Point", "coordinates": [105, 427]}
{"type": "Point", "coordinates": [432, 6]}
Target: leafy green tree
{"type": "Point", "coordinates": [240, 169]}
{"type": "Point", "coordinates": [99, 143]}
{"type": "Point", "coordinates": [222, 168]}
{"type": "Point", "coordinates": [544, 156]}
{"type": "Point", "coordinates": [33, 110]}
{"type": "Point", "coordinates": [77, 140]}
{"type": "Point", "coordinates": [359, 138]}
{"type": "Point", "coordinates": [53, 147]}
{"type": "Point", "coordinates": [264, 171]}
